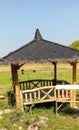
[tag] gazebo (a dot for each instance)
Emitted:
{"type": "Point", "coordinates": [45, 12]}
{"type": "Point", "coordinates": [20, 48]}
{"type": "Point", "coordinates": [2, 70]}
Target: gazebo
{"type": "Point", "coordinates": [41, 50]}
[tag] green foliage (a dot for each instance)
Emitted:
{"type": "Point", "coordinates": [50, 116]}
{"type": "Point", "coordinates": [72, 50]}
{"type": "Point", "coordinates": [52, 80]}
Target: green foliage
{"type": "Point", "coordinates": [75, 45]}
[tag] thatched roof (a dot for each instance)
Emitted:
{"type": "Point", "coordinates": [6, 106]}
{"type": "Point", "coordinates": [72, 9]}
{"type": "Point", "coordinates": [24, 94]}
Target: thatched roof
{"type": "Point", "coordinates": [40, 49]}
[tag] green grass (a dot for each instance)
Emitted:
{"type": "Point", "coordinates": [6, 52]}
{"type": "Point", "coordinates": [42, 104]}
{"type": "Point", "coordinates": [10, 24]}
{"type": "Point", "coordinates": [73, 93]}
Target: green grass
{"type": "Point", "coordinates": [5, 78]}
{"type": "Point", "coordinates": [65, 121]}
{"type": "Point", "coordinates": [35, 75]}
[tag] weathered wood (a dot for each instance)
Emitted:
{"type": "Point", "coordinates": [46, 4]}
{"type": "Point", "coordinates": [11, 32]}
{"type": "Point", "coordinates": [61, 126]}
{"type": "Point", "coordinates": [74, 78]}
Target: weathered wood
{"type": "Point", "coordinates": [54, 93]}
{"type": "Point", "coordinates": [74, 73]}
{"type": "Point", "coordinates": [62, 93]}
{"type": "Point", "coordinates": [67, 93]}
{"type": "Point", "coordinates": [39, 95]}
{"type": "Point", "coordinates": [58, 93]}
{"type": "Point", "coordinates": [35, 95]}
{"type": "Point", "coordinates": [14, 68]}
{"type": "Point", "coordinates": [26, 98]}
{"type": "Point", "coordinates": [30, 84]}
{"type": "Point", "coordinates": [30, 97]}
{"type": "Point", "coordinates": [45, 94]}
{"type": "Point", "coordinates": [55, 70]}
{"type": "Point", "coordinates": [18, 97]}
{"type": "Point", "coordinates": [73, 103]}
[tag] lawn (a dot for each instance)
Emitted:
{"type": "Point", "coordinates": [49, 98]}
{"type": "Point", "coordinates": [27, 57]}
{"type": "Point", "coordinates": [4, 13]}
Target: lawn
{"type": "Point", "coordinates": [65, 121]}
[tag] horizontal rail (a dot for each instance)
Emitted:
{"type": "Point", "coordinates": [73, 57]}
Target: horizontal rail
{"type": "Point", "coordinates": [45, 94]}
{"type": "Point", "coordinates": [37, 89]}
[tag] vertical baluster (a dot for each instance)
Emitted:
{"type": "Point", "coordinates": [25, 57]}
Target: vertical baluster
{"type": "Point", "coordinates": [23, 85]}
{"type": "Point", "coordinates": [41, 83]}
{"type": "Point", "coordinates": [62, 93]}
{"type": "Point", "coordinates": [44, 83]}
{"type": "Point", "coordinates": [47, 83]}
{"type": "Point", "coordinates": [29, 85]}
{"type": "Point", "coordinates": [26, 85]}
{"type": "Point", "coordinates": [26, 98]}
{"type": "Point", "coordinates": [58, 93]}
{"type": "Point", "coordinates": [35, 95]}
{"type": "Point", "coordinates": [66, 93]}
{"type": "Point", "coordinates": [39, 94]}
{"type": "Point", "coordinates": [50, 83]}
{"type": "Point", "coordinates": [70, 93]}
{"type": "Point", "coordinates": [30, 97]}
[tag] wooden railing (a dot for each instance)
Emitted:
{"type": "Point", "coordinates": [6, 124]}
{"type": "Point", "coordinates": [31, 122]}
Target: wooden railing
{"type": "Point", "coordinates": [44, 94]}
{"type": "Point", "coordinates": [31, 84]}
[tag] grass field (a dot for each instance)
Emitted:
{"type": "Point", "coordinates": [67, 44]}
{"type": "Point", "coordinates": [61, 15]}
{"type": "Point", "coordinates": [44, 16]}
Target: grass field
{"type": "Point", "coordinates": [65, 121]}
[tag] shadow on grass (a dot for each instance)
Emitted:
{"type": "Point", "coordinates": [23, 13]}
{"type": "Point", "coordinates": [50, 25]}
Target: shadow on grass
{"type": "Point", "coordinates": [11, 98]}
{"type": "Point", "coordinates": [66, 110]}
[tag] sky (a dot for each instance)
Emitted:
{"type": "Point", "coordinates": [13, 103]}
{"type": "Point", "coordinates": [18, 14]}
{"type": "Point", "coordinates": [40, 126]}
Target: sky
{"type": "Point", "coordinates": [57, 20]}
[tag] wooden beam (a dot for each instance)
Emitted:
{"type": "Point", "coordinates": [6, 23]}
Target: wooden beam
{"type": "Point", "coordinates": [14, 69]}
{"type": "Point", "coordinates": [14, 75]}
{"type": "Point", "coordinates": [73, 100]}
{"type": "Point", "coordinates": [74, 73]}
{"type": "Point", "coordinates": [55, 72]}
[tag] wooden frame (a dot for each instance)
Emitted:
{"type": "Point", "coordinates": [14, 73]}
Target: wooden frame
{"type": "Point", "coordinates": [17, 86]}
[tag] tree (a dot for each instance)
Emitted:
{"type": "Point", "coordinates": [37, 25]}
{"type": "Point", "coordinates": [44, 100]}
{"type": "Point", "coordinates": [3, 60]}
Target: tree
{"type": "Point", "coordinates": [75, 45]}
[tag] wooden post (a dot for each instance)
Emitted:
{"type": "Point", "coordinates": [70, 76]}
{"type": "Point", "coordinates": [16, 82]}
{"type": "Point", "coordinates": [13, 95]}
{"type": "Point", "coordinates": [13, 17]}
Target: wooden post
{"type": "Point", "coordinates": [13, 76]}
{"type": "Point", "coordinates": [73, 100]}
{"type": "Point", "coordinates": [55, 73]}
{"type": "Point", "coordinates": [14, 68]}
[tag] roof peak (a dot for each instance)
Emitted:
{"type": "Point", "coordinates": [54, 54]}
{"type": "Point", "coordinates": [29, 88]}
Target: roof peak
{"type": "Point", "coordinates": [37, 35]}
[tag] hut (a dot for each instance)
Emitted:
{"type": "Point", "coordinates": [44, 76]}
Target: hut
{"type": "Point", "coordinates": [41, 50]}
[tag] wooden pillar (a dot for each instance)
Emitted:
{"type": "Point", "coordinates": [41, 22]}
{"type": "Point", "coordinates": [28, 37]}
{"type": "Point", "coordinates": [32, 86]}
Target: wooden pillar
{"type": "Point", "coordinates": [55, 72]}
{"type": "Point", "coordinates": [14, 76]}
{"type": "Point", "coordinates": [73, 92]}
{"type": "Point", "coordinates": [14, 68]}
{"type": "Point", "coordinates": [74, 73]}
